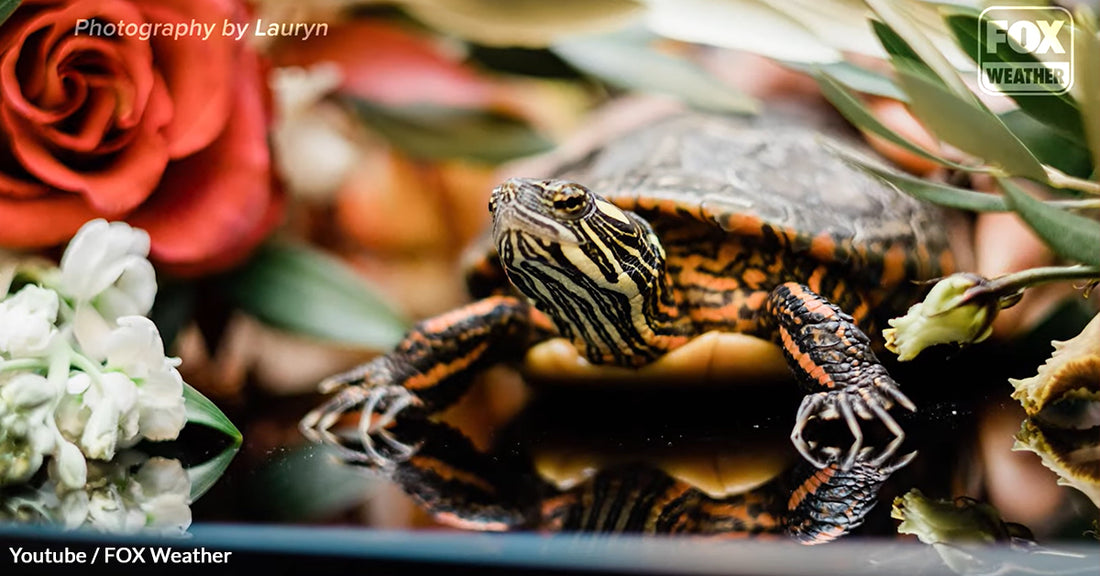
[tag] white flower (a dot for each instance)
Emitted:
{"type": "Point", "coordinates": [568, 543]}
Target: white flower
{"type": "Point", "coordinates": [942, 318]}
{"type": "Point", "coordinates": [68, 465]}
{"type": "Point", "coordinates": [108, 265]}
{"type": "Point", "coordinates": [27, 321]}
{"type": "Point", "coordinates": [25, 391]}
{"type": "Point", "coordinates": [136, 348]}
{"type": "Point", "coordinates": [161, 410]}
{"type": "Point", "coordinates": [113, 419]}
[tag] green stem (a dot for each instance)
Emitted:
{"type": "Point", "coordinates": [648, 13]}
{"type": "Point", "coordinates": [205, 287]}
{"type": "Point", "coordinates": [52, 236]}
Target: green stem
{"type": "Point", "coordinates": [87, 366]}
{"type": "Point", "coordinates": [22, 364]}
{"type": "Point", "coordinates": [1011, 283]}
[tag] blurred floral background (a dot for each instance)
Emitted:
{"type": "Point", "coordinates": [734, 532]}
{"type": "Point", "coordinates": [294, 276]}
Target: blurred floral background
{"type": "Point", "coordinates": [306, 199]}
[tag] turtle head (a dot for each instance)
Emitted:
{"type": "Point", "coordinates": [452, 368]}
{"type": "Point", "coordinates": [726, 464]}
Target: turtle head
{"type": "Point", "coordinates": [598, 271]}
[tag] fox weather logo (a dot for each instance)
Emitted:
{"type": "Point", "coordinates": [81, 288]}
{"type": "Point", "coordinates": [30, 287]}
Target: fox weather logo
{"type": "Point", "coordinates": [1025, 50]}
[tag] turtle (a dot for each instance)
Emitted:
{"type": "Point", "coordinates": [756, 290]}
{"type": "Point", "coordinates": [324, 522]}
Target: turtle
{"type": "Point", "coordinates": [689, 229]}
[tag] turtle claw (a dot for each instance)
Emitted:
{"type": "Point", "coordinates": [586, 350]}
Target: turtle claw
{"type": "Point", "coordinates": [395, 399]}
{"type": "Point", "coordinates": [381, 405]}
{"type": "Point", "coordinates": [852, 404]}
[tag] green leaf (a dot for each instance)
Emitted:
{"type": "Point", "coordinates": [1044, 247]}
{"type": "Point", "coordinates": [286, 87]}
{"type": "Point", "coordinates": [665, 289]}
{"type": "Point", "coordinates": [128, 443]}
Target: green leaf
{"type": "Point", "coordinates": [934, 192]}
{"type": "Point", "coordinates": [919, 47]}
{"type": "Point", "coordinates": [1086, 48]}
{"type": "Point", "coordinates": [901, 55]}
{"type": "Point", "coordinates": [631, 63]}
{"type": "Point", "coordinates": [204, 476]}
{"type": "Point", "coordinates": [967, 125]}
{"type": "Point", "coordinates": [200, 410]}
{"type": "Point", "coordinates": [1070, 235]}
{"type": "Point", "coordinates": [6, 9]}
{"type": "Point", "coordinates": [1050, 146]}
{"type": "Point", "coordinates": [304, 290]}
{"type": "Point", "coordinates": [858, 114]}
{"type": "Point", "coordinates": [1058, 111]}
{"type": "Point", "coordinates": [856, 78]}
{"type": "Point", "coordinates": [433, 132]}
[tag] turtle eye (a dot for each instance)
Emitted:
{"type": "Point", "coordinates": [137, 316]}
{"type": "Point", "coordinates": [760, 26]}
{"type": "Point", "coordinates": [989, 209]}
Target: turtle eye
{"type": "Point", "coordinates": [570, 201]}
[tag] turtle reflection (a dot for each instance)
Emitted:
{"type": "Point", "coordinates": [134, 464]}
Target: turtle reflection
{"type": "Point", "coordinates": [606, 469]}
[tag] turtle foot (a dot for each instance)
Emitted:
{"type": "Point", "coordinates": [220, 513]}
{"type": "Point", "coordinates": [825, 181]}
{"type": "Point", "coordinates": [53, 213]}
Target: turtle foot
{"type": "Point", "coordinates": [852, 404]}
{"type": "Point", "coordinates": [380, 404]}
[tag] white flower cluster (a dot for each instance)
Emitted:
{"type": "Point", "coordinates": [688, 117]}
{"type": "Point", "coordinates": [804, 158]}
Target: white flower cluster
{"type": "Point", "coordinates": [82, 370]}
{"type": "Point", "coordinates": [128, 494]}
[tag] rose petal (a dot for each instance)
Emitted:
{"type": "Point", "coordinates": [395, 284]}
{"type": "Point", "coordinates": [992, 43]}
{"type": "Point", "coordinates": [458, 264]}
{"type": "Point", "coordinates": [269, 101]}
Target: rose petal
{"type": "Point", "coordinates": [115, 188]}
{"type": "Point", "coordinates": [219, 200]}
{"type": "Point", "coordinates": [24, 220]}
{"type": "Point", "coordinates": [202, 101]}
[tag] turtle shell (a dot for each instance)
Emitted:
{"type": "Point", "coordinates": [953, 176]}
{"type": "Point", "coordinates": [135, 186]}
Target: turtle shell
{"type": "Point", "coordinates": [773, 180]}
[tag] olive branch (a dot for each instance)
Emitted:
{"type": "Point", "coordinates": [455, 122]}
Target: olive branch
{"type": "Point", "coordinates": [1050, 141]}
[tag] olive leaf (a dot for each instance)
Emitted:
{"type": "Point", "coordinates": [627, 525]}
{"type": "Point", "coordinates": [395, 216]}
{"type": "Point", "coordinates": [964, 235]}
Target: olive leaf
{"type": "Point", "coordinates": [200, 410]}
{"type": "Point", "coordinates": [901, 55]}
{"type": "Point", "coordinates": [1086, 48]}
{"type": "Point", "coordinates": [528, 23]}
{"type": "Point", "coordinates": [1049, 145]}
{"type": "Point", "coordinates": [630, 62]}
{"type": "Point", "coordinates": [6, 9]}
{"type": "Point", "coordinates": [858, 114]}
{"type": "Point", "coordinates": [855, 77]}
{"type": "Point", "coordinates": [927, 190]}
{"type": "Point", "coordinates": [969, 126]}
{"type": "Point", "coordinates": [1070, 235]}
{"type": "Point", "coordinates": [1058, 111]}
{"type": "Point", "coordinates": [920, 48]}
{"type": "Point", "coordinates": [749, 25]}
{"type": "Point", "coordinates": [306, 291]}
{"type": "Point", "coordinates": [435, 132]}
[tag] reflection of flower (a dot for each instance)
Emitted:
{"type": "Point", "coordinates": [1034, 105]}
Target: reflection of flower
{"type": "Point", "coordinates": [942, 318]}
{"type": "Point", "coordinates": [959, 530]}
{"type": "Point", "coordinates": [167, 133]}
{"type": "Point", "coordinates": [128, 494]}
{"type": "Point", "coordinates": [1062, 401]}
{"type": "Point", "coordinates": [25, 402]}
{"type": "Point", "coordinates": [77, 380]}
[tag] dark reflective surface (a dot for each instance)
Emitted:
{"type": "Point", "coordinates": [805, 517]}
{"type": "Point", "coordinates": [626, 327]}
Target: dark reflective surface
{"type": "Point", "coordinates": [729, 433]}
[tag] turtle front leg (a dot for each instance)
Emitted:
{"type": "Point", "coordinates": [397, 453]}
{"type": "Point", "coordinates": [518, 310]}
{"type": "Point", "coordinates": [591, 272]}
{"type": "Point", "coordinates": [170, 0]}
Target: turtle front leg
{"type": "Point", "coordinates": [832, 358]}
{"type": "Point", "coordinates": [429, 370]}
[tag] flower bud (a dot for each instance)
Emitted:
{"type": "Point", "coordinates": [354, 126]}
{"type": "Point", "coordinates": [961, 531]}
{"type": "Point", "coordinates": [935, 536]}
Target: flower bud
{"type": "Point", "coordinates": [70, 467]}
{"type": "Point", "coordinates": [27, 321]}
{"type": "Point", "coordinates": [945, 316]}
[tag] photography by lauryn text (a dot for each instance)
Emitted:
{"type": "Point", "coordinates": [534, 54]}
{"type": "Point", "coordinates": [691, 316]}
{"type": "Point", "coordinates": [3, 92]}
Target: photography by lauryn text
{"type": "Point", "coordinates": [201, 30]}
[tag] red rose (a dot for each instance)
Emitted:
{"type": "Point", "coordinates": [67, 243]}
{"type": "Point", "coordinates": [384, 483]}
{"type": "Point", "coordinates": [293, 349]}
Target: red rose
{"type": "Point", "coordinates": [167, 132]}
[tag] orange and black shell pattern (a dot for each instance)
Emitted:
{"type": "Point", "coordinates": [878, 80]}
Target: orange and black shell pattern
{"type": "Point", "coordinates": [742, 206]}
